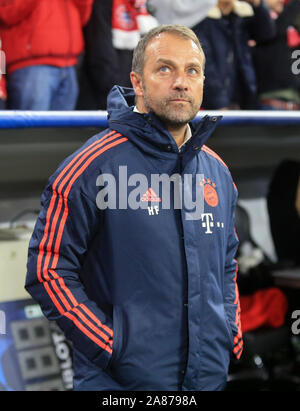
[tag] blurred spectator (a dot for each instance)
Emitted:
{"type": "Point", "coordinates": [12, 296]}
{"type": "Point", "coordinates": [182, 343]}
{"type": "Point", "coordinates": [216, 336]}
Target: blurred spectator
{"type": "Point", "coordinates": [112, 33]}
{"type": "Point", "coordinates": [230, 81]}
{"type": "Point", "coordinates": [187, 12]}
{"type": "Point", "coordinates": [3, 94]}
{"type": "Point", "coordinates": [278, 85]}
{"type": "Point", "coordinates": [42, 40]}
{"type": "Point", "coordinates": [284, 211]}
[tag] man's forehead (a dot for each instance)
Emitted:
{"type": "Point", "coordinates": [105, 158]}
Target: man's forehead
{"type": "Point", "coordinates": [160, 44]}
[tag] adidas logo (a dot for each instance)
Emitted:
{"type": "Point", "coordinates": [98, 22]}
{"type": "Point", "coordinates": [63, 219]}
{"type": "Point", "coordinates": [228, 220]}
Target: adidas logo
{"type": "Point", "coordinates": [151, 196]}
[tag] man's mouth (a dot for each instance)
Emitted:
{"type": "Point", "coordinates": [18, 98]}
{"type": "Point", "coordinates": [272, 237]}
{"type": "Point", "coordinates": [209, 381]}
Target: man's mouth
{"type": "Point", "coordinates": [180, 100]}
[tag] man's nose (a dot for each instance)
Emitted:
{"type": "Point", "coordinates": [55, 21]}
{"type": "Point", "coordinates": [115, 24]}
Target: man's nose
{"type": "Point", "coordinates": [180, 81]}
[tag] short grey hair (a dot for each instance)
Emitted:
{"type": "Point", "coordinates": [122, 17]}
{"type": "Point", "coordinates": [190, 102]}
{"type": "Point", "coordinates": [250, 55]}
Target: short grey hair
{"type": "Point", "coordinates": [138, 60]}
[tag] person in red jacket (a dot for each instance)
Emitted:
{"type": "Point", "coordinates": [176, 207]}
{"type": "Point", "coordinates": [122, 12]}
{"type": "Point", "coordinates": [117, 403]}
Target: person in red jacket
{"type": "Point", "coordinates": [42, 41]}
{"type": "Point", "coordinates": [3, 94]}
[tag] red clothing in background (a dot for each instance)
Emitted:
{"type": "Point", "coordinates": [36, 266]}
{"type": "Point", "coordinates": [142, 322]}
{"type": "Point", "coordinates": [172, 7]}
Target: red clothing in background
{"type": "Point", "coordinates": [42, 31]}
{"type": "Point", "coordinates": [3, 94]}
{"type": "Point", "coordinates": [265, 308]}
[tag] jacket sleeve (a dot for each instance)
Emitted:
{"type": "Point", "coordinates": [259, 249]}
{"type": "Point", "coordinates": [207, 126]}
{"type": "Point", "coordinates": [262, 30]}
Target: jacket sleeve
{"type": "Point", "coordinates": [289, 17]}
{"type": "Point", "coordinates": [261, 26]}
{"type": "Point", "coordinates": [63, 232]}
{"type": "Point", "coordinates": [231, 293]}
{"type": "Point", "coordinates": [215, 94]}
{"type": "Point", "coordinates": [85, 9]}
{"type": "Point", "coordinates": [13, 11]}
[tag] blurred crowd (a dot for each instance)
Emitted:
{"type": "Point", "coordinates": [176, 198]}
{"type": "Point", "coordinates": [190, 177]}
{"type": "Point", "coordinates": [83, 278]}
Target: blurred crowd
{"type": "Point", "coordinates": [68, 54]}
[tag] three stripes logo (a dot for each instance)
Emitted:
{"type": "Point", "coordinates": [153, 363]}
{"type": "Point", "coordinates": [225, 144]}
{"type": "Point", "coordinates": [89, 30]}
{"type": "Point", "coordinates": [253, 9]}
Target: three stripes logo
{"type": "Point", "coordinates": [151, 197]}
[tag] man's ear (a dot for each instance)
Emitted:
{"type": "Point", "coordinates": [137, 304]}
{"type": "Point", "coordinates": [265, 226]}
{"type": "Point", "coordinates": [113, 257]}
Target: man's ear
{"type": "Point", "coordinates": [137, 84]}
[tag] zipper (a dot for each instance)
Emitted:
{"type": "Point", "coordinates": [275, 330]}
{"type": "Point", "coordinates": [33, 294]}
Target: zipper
{"type": "Point", "coordinates": [186, 281]}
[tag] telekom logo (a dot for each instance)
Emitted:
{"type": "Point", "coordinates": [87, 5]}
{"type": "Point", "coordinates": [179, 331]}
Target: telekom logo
{"type": "Point", "coordinates": [208, 223]}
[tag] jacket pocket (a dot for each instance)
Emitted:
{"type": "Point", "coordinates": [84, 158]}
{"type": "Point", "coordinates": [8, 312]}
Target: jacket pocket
{"type": "Point", "coordinates": [117, 337]}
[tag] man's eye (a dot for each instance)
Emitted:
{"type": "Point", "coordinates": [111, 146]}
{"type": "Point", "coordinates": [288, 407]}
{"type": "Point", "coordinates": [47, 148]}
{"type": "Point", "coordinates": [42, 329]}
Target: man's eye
{"type": "Point", "coordinates": [164, 69]}
{"type": "Point", "coordinates": [192, 71]}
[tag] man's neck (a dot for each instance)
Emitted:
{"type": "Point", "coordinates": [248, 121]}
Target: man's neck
{"type": "Point", "coordinates": [180, 134]}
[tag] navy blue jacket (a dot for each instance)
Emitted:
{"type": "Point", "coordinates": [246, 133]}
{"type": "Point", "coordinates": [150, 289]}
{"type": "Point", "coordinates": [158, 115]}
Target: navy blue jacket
{"type": "Point", "coordinates": [148, 299]}
{"type": "Point", "coordinates": [229, 72]}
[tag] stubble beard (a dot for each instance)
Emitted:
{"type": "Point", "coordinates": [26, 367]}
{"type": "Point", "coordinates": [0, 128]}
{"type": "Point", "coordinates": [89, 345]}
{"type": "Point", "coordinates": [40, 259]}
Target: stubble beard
{"type": "Point", "coordinates": [175, 115]}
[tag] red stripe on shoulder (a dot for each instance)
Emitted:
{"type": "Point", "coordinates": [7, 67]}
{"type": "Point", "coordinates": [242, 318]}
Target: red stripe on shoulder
{"type": "Point", "coordinates": [213, 154]}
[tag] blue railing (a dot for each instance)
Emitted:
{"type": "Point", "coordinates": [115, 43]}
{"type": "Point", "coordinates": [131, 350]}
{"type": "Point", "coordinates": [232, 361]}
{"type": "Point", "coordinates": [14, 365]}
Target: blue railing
{"type": "Point", "coordinates": [25, 119]}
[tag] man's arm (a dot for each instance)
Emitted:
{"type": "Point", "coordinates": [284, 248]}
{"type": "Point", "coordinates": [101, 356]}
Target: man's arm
{"type": "Point", "coordinates": [215, 94]}
{"type": "Point", "coordinates": [63, 232]}
{"type": "Point", "coordinates": [85, 9]}
{"type": "Point", "coordinates": [13, 11]}
{"type": "Point", "coordinates": [231, 293]}
{"type": "Point", "coordinates": [261, 26]}
{"type": "Point", "coordinates": [289, 17]}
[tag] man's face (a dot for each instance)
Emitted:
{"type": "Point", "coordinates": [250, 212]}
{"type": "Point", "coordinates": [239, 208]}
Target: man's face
{"type": "Point", "coordinates": [172, 81]}
{"type": "Point", "coordinates": [226, 5]}
{"type": "Point", "coordinates": [225, 2]}
{"type": "Point", "coordinates": [275, 5]}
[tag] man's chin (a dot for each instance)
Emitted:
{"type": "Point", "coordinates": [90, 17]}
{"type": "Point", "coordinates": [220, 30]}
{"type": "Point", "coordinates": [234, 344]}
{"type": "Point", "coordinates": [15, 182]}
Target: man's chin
{"type": "Point", "coordinates": [176, 121]}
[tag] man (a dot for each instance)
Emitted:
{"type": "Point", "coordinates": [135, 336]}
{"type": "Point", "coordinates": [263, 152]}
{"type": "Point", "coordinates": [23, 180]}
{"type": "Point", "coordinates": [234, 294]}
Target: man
{"type": "Point", "coordinates": [113, 31]}
{"type": "Point", "coordinates": [276, 61]}
{"type": "Point", "coordinates": [285, 207]}
{"type": "Point", "coordinates": [187, 13]}
{"type": "Point", "coordinates": [147, 294]}
{"type": "Point", "coordinates": [42, 41]}
{"type": "Point", "coordinates": [225, 35]}
{"type": "Point", "coordinates": [3, 93]}
{"type": "Point", "coordinates": [275, 6]}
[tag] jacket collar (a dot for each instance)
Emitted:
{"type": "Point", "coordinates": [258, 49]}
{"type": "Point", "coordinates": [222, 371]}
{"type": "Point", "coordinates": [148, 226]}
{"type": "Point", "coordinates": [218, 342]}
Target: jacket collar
{"type": "Point", "coordinates": [240, 8]}
{"type": "Point", "coordinates": [147, 131]}
{"type": "Point", "coordinates": [188, 132]}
